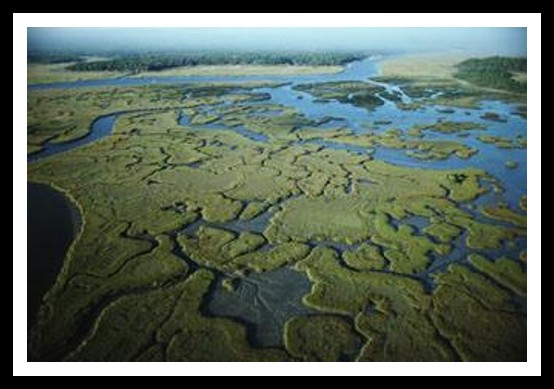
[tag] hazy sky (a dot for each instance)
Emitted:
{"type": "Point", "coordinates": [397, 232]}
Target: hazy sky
{"type": "Point", "coordinates": [510, 41]}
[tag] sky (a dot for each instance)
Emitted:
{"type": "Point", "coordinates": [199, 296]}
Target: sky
{"type": "Point", "coordinates": [494, 40]}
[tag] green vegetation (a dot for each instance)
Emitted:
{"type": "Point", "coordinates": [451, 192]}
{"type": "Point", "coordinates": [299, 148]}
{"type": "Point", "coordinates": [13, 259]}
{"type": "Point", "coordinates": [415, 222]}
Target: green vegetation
{"type": "Point", "coordinates": [442, 231]}
{"type": "Point", "coordinates": [493, 116]}
{"type": "Point", "coordinates": [466, 318]}
{"type": "Point", "coordinates": [239, 70]}
{"type": "Point", "coordinates": [252, 210]}
{"type": "Point", "coordinates": [365, 257]}
{"type": "Point", "coordinates": [49, 68]}
{"type": "Point", "coordinates": [443, 92]}
{"type": "Point", "coordinates": [504, 213]}
{"type": "Point", "coordinates": [419, 149]}
{"type": "Point", "coordinates": [63, 115]}
{"type": "Point", "coordinates": [455, 82]}
{"type": "Point", "coordinates": [137, 63]}
{"type": "Point", "coordinates": [448, 127]}
{"type": "Point", "coordinates": [322, 218]}
{"type": "Point", "coordinates": [170, 213]}
{"type": "Point", "coordinates": [478, 318]}
{"type": "Point", "coordinates": [388, 310]}
{"type": "Point", "coordinates": [322, 339]}
{"type": "Point", "coordinates": [358, 93]}
{"type": "Point", "coordinates": [506, 271]}
{"type": "Point", "coordinates": [494, 72]}
{"type": "Point", "coordinates": [503, 142]}
{"type": "Point", "coordinates": [125, 329]}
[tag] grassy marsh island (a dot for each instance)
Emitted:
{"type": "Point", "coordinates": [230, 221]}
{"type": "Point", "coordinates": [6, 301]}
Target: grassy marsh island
{"type": "Point", "coordinates": [359, 94]}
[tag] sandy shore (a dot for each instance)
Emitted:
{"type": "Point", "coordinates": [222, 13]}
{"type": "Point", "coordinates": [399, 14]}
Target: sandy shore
{"type": "Point", "coordinates": [243, 70]}
{"type": "Point", "coordinates": [422, 65]}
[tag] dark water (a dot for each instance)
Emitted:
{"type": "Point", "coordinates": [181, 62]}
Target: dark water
{"type": "Point", "coordinates": [266, 301]}
{"type": "Point", "coordinates": [52, 223]}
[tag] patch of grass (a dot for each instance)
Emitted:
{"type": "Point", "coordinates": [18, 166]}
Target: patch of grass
{"type": "Point", "coordinates": [505, 214]}
{"type": "Point", "coordinates": [280, 255]}
{"type": "Point", "coordinates": [503, 142]}
{"type": "Point", "coordinates": [242, 70]}
{"type": "Point", "coordinates": [447, 127]}
{"type": "Point", "coordinates": [253, 209]}
{"type": "Point", "coordinates": [340, 220]}
{"type": "Point", "coordinates": [484, 235]}
{"type": "Point", "coordinates": [506, 271]}
{"type": "Point", "coordinates": [419, 149]}
{"type": "Point", "coordinates": [479, 319]}
{"type": "Point", "coordinates": [442, 231]}
{"type": "Point", "coordinates": [358, 93]}
{"type": "Point", "coordinates": [322, 339]}
{"type": "Point", "coordinates": [365, 257]}
{"type": "Point", "coordinates": [381, 305]}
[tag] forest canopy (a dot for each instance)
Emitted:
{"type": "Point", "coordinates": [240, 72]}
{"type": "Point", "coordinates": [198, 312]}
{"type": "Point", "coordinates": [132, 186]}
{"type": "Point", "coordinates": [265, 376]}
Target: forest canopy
{"type": "Point", "coordinates": [494, 72]}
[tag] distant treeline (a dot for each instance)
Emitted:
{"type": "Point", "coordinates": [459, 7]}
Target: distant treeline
{"type": "Point", "coordinates": [494, 72]}
{"type": "Point", "coordinates": [53, 58]}
{"type": "Point", "coordinates": [153, 62]}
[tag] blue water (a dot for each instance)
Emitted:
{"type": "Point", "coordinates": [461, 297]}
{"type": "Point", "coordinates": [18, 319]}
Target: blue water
{"type": "Point", "coordinates": [99, 128]}
{"type": "Point", "coordinates": [255, 136]}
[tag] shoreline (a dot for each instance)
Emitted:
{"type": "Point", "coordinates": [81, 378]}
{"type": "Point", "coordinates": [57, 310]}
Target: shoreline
{"type": "Point", "coordinates": [242, 70]}
{"type": "Point", "coordinates": [78, 221]}
{"type": "Point", "coordinates": [47, 263]}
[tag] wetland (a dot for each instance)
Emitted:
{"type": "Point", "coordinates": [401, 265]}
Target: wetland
{"type": "Point", "coordinates": [366, 214]}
